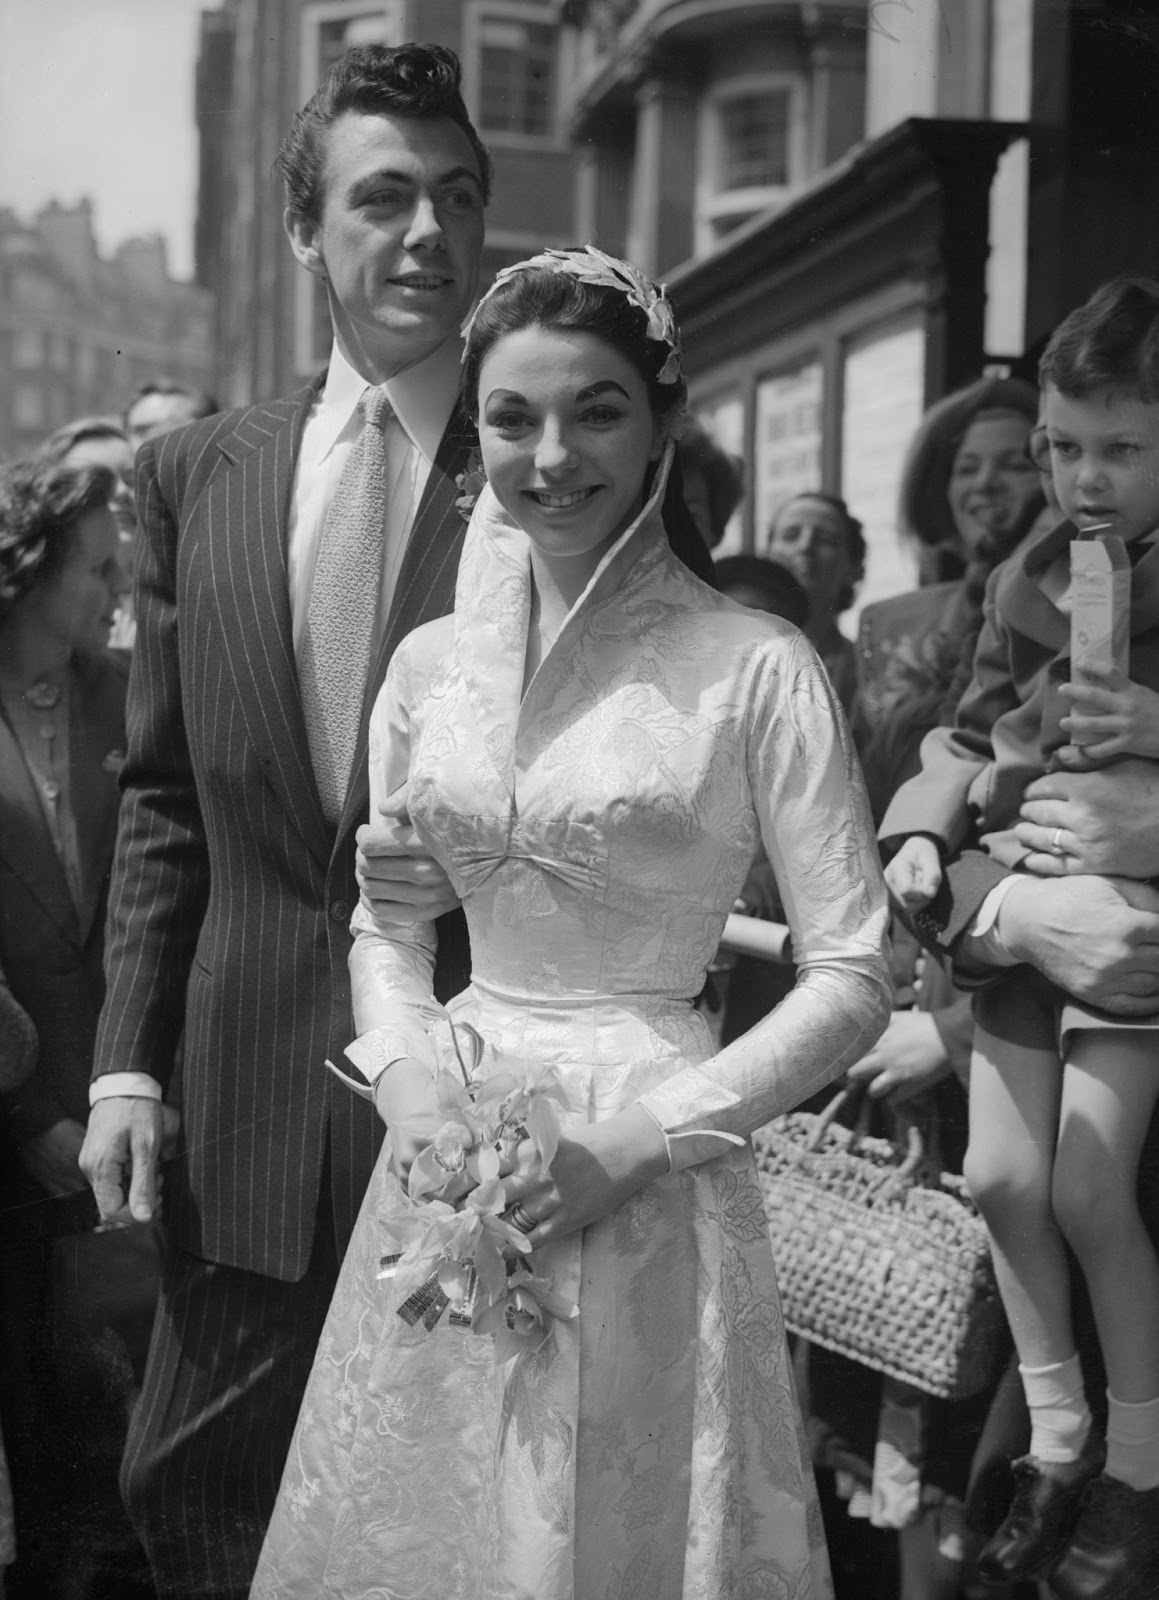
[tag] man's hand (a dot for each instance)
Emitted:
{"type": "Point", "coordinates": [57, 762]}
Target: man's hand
{"type": "Point", "coordinates": [906, 1061]}
{"type": "Point", "coordinates": [399, 881]}
{"type": "Point", "coordinates": [51, 1158]}
{"type": "Point", "coordinates": [123, 1142]}
{"type": "Point", "coordinates": [405, 1099]}
{"type": "Point", "coordinates": [1097, 938]}
{"type": "Point", "coordinates": [1105, 821]}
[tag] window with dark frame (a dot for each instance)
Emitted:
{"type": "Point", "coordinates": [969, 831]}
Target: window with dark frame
{"type": "Point", "coordinates": [754, 140]}
{"type": "Point", "coordinates": [516, 76]}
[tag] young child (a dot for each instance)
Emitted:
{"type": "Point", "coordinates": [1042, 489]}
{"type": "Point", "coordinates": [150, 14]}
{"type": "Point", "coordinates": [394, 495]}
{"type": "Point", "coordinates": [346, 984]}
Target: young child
{"type": "Point", "coordinates": [1061, 1097]}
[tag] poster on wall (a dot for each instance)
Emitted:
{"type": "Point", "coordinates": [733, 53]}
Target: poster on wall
{"type": "Point", "coordinates": [787, 442]}
{"type": "Point", "coordinates": [883, 387]}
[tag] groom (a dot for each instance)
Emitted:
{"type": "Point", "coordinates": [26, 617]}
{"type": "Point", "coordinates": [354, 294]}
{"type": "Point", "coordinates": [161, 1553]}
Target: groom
{"type": "Point", "coordinates": [285, 552]}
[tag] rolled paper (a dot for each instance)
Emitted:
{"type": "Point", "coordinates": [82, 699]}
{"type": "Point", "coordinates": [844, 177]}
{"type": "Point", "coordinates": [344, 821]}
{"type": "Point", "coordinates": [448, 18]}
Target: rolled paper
{"type": "Point", "coordinates": [1100, 618]}
{"type": "Point", "coordinates": [752, 936]}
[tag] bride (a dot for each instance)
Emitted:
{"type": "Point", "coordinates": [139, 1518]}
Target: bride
{"type": "Point", "coordinates": [592, 747]}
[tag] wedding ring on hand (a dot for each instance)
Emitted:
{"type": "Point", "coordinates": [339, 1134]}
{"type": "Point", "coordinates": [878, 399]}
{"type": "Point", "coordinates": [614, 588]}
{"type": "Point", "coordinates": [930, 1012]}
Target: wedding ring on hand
{"type": "Point", "coordinates": [1056, 848]}
{"type": "Point", "coordinates": [522, 1219]}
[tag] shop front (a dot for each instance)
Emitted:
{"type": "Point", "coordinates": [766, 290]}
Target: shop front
{"type": "Point", "coordinates": [816, 337]}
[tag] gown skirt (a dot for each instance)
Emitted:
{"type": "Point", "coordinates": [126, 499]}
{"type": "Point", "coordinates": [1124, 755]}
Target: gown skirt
{"type": "Point", "coordinates": [652, 1449]}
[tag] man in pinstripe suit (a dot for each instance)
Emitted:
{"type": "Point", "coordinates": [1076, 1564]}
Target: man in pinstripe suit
{"type": "Point", "coordinates": [232, 891]}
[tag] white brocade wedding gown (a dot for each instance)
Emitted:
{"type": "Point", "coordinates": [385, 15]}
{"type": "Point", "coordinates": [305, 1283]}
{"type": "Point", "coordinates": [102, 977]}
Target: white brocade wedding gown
{"type": "Point", "coordinates": [598, 833]}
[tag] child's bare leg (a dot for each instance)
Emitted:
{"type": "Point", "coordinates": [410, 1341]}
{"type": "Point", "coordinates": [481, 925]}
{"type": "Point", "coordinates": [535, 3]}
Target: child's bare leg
{"type": "Point", "coordinates": [1015, 1091]}
{"type": "Point", "coordinates": [1109, 1093]}
{"type": "Point", "coordinates": [1110, 1088]}
{"type": "Point", "coordinates": [1015, 1095]}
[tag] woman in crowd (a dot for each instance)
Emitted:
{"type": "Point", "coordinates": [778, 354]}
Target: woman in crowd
{"type": "Point", "coordinates": [64, 1399]}
{"type": "Point", "coordinates": [969, 494]}
{"type": "Point", "coordinates": [823, 545]}
{"type": "Point", "coordinates": [591, 747]}
{"type": "Point", "coordinates": [103, 442]}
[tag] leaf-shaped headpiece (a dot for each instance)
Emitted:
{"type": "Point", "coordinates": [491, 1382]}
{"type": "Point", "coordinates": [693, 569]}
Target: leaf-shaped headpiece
{"type": "Point", "coordinates": [595, 266]}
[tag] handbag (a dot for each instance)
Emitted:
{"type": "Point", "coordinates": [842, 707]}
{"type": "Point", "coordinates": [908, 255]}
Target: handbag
{"type": "Point", "coordinates": [880, 1256]}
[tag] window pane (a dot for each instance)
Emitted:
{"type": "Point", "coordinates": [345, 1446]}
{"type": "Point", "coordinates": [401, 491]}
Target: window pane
{"type": "Point", "coordinates": [28, 348]}
{"type": "Point", "coordinates": [27, 406]}
{"type": "Point", "coordinates": [754, 140]}
{"type": "Point", "coordinates": [336, 34]}
{"type": "Point", "coordinates": [516, 76]}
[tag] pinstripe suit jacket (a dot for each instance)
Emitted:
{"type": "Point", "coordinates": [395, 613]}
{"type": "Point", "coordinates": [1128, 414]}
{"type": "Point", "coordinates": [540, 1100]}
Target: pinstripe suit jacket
{"type": "Point", "coordinates": [231, 893]}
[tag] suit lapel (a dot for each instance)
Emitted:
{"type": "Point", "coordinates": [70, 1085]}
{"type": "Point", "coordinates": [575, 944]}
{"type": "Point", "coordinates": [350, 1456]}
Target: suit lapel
{"type": "Point", "coordinates": [25, 842]}
{"type": "Point", "coordinates": [248, 518]}
{"type": "Point", "coordinates": [425, 588]}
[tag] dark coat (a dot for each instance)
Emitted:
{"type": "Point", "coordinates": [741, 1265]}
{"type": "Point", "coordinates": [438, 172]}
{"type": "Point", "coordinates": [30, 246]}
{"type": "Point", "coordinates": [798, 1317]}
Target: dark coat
{"type": "Point", "coordinates": [50, 949]}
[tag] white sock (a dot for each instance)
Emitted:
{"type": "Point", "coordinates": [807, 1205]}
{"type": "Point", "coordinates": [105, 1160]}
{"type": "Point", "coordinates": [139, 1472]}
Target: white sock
{"type": "Point", "coordinates": [1133, 1442]}
{"type": "Point", "coordinates": [1060, 1419]}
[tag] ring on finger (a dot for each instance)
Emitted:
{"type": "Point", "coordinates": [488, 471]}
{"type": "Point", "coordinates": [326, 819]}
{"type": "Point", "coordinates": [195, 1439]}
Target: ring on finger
{"type": "Point", "coordinates": [522, 1219]}
{"type": "Point", "coordinates": [1056, 848]}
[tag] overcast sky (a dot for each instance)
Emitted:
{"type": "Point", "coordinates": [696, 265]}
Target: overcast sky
{"type": "Point", "coordinates": [96, 98]}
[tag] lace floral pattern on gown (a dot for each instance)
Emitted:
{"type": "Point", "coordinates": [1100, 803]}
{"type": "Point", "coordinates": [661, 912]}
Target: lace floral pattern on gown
{"type": "Point", "coordinates": [598, 831]}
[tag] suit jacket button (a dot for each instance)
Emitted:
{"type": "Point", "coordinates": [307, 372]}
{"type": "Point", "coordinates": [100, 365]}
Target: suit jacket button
{"type": "Point", "coordinates": [340, 911]}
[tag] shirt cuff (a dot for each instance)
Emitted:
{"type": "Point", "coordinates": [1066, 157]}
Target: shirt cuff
{"type": "Point", "coordinates": [110, 1084]}
{"type": "Point", "coordinates": [984, 944]}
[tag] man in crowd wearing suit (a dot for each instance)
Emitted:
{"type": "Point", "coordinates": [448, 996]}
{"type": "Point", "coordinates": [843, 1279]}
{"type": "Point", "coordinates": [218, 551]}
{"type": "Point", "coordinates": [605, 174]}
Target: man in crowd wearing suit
{"type": "Point", "coordinates": [285, 551]}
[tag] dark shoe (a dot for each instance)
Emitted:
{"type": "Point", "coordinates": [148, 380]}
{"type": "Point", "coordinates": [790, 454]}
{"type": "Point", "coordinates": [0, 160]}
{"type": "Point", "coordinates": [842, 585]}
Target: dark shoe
{"type": "Point", "coordinates": [1114, 1551]}
{"type": "Point", "coordinates": [1041, 1518]}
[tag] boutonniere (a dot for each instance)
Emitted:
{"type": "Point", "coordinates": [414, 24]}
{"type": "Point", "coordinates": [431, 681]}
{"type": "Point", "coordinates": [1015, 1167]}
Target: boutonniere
{"type": "Point", "coordinates": [470, 483]}
{"type": "Point", "coordinates": [113, 762]}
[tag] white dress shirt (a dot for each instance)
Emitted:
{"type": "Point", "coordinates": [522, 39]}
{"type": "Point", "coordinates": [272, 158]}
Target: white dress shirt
{"type": "Point", "coordinates": [422, 399]}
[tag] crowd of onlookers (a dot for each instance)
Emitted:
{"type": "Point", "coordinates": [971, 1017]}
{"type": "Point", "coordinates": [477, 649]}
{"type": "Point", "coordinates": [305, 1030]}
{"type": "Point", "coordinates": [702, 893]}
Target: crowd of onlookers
{"type": "Point", "coordinates": [913, 1487]}
{"type": "Point", "coordinates": [77, 1304]}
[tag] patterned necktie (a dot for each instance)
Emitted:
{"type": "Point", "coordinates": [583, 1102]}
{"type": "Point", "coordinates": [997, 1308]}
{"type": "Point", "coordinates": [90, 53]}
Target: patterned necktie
{"type": "Point", "coordinates": [334, 656]}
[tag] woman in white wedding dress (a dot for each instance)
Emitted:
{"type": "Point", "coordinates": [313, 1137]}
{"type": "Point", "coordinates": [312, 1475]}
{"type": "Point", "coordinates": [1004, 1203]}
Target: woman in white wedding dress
{"type": "Point", "coordinates": [593, 746]}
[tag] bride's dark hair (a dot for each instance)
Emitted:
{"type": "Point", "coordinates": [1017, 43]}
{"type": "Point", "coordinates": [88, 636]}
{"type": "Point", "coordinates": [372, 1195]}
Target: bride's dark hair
{"type": "Point", "coordinates": [560, 302]}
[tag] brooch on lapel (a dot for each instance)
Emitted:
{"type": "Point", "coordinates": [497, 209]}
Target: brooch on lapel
{"type": "Point", "coordinates": [470, 483]}
{"type": "Point", "coordinates": [113, 762]}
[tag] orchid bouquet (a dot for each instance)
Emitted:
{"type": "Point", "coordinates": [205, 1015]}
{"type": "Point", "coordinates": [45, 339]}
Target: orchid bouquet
{"type": "Point", "coordinates": [459, 1250]}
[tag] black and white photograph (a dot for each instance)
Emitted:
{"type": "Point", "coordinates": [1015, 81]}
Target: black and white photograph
{"type": "Point", "coordinates": [579, 800]}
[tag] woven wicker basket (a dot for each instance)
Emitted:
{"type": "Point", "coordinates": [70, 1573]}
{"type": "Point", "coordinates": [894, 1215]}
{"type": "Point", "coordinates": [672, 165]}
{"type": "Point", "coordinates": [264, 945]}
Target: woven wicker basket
{"type": "Point", "coordinates": [878, 1258]}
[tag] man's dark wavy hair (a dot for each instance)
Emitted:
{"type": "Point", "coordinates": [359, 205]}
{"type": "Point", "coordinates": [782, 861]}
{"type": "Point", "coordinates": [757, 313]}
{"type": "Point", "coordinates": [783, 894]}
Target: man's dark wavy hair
{"type": "Point", "coordinates": [406, 80]}
{"type": "Point", "coordinates": [1111, 341]}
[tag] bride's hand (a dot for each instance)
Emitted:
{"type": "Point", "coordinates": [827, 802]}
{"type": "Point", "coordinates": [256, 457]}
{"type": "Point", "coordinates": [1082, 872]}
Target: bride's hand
{"type": "Point", "coordinates": [404, 1098]}
{"type": "Point", "coordinates": [596, 1168]}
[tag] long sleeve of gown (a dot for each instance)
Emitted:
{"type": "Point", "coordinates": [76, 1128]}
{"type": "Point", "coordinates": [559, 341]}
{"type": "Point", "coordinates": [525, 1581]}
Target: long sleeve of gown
{"type": "Point", "coordinates": [391, 964]}
{"type": "Point", "coordinates": [816, 827]}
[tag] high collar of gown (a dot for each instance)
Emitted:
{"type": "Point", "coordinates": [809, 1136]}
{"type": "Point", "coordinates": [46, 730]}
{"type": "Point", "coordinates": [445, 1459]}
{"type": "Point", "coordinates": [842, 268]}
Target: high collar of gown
{"type": "Point", "coordinates": [493, 611]}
